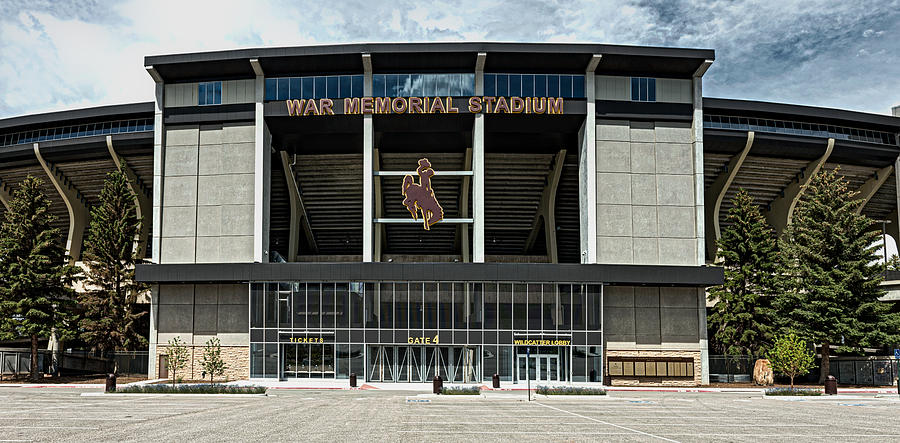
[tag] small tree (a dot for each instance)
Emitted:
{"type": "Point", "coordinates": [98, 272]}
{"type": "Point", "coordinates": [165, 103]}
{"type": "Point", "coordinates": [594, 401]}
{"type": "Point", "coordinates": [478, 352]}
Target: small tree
{"type": "Point", "coordinates": [790, 356]}
{"type": "Point", "coordinates": [176, 356]}
{"type": "Point", "coordinates": [109, 322]}
{"type": "Point", "coordinates": [211, 360]}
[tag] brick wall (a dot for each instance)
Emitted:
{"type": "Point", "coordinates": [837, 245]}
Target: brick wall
{"type": "Point", "coordinates": [237, 360]}
{"type": "Point", "coordinates": [662, 355]}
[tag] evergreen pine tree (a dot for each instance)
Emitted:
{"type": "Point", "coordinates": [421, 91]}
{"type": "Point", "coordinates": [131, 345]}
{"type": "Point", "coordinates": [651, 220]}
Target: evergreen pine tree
{"type": "Point", "coordinates": [832, 262]}
{"type": "Point", "coordinates": [741, 319]}
{"type": "Point", "coordinates": [109, 321]}
{"type": "Point", "coordinates": [35, 292]}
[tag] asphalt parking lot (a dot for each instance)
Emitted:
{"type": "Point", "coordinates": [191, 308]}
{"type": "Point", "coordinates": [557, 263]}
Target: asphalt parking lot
{"type": "Point", "coordinates": [62, 414]}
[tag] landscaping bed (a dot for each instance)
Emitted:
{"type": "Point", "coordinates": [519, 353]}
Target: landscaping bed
{"type": "Point", "coordinates": [569, 390]}
{"type": "Point", "coordinates": [788, 392]}
{"type": "Point", "coordinates": [191, 389]}
{"type": "Point", "coordinates": [461, 390]}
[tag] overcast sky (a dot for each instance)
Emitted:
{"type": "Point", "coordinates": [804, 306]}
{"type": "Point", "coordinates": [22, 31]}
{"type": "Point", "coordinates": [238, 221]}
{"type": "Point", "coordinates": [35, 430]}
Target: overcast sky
{"type": "Point", "coordinates": [69, 54]}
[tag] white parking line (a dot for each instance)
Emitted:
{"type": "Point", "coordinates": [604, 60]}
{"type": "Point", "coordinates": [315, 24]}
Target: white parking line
{"type": "Point", "coordinates": [49, 427]}
{"type": "Point", "coordinates": [606, 423]}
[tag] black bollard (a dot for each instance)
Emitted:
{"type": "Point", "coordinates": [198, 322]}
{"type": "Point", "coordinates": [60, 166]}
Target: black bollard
{"type": "Point", "coordinates": [496, 381]}
{"type": "Point", "coordinates": [110, 382]}
{"type": "Point", "coordinates": [830, 385]}
{"type": "Point", "coordinates": [437, 384]}
{"type": "Point", "coordinates": [352, 379]}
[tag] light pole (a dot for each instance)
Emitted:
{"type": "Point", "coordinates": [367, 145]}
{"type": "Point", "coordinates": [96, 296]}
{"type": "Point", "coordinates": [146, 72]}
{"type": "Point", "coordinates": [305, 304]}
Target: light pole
{"type": "Point", "coordinates": [528, 369]}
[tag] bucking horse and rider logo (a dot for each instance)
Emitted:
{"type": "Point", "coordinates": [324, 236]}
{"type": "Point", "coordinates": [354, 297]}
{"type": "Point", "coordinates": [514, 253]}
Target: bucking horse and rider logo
{"type": "Point", "coordinates": [419, 197]}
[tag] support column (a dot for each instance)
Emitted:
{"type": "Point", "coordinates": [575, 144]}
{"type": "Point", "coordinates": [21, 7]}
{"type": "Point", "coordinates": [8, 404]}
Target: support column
{"type": "Point", "coordinates": [697, 130]}
{"type": "Point", "coordinates": [76, 205]}
{"type": "Point", "coordinates": [379, 207]}
{"type": "Point", "coordinates": [478, 168]}
{"type": "Point", "coordinates": [5, 195]}
{"type": "Point", "coordinates": [893, 228]}
{"type": "Point", "coordinates": [872, 185]}
{"type": "Point", "coordinates": [716, 193]}
{"type": "Point", "coordinates": [158, 162]}
{"type": "Point", "coordinates": [261, 171]}
{"type": "Point", "coordinates": [142, 203]}
{"type": "Point", "coordinates": [368, 167]}
{"type": "Point", "coordinates": [464, 190]}
{"type": "Point", "coordinates": [587, 167]}
{"type": "Point", "coordinates": [298, 212]}
{"type": "Point", "coordinates": [546, 213]}
{"type": "Point", "coordinates": [781, 210]}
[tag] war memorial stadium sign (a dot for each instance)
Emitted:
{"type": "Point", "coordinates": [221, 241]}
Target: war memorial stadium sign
{"type": "Point", "coordinates": [425, 105]}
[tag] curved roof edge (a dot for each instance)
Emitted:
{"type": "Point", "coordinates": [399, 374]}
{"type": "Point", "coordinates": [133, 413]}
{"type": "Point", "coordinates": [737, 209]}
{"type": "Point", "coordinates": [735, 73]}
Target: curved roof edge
{"type": "Point", "coordinates": [95, 112]}
{"type": "Point", "coordinates": [813, 113]}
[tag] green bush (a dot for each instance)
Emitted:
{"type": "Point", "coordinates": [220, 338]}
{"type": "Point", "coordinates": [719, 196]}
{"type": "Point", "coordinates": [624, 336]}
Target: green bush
{"type": "Point", "coordinates": [192, 389]}
{"type": "Point", "coordinates": [792, 391]}
{"type": "Point", "coordinates": [569, 390]}
{"type": "Point", "coordinates": [461, 390]}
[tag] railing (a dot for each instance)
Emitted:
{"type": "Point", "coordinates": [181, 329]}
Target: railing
{"type": "Point", "coordinates": [76, 131]}
{"type": "Point", "coordinates": [17, 362]}
{"type": "Point", "coordinates": [875, 371]}
{"type": "Point", "coordinates": [712, 121]}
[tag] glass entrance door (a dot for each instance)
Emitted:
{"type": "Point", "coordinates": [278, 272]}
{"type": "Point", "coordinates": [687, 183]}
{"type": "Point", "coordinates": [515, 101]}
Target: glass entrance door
{"type": "Point", "coordinates": [538, 368]}
{"type": "Point", "coordinates": [307, 360]}
{"type": "Point", "coordinates": [418, 364]}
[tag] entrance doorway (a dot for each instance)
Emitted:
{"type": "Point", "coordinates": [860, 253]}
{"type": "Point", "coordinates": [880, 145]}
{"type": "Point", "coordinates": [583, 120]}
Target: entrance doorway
{"type": "Point", "coordinates": [420, 364]}
{"type": "Point", "coordinates": [539, 368]}
{"type": "Point", "coordinates": [307, 360]}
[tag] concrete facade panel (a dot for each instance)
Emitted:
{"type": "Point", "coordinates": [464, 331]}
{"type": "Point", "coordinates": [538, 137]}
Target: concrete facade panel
{"type": "Point", "coordinates": [679, 297]}
{"type": "Point", "coordinates": [224, 220]}
{"type": "Point", "coordinates": [615, 250]}
{"type": "Point", "coordinates": [179, 191]}
{"type": "Point", "coordinates": [175, 319]}
{"type": "Point", "coordinates": [674, 158]}
{"type": "Point", "coordinates": [646, 250]}
{"type": "Point", "coordinates": [614, 220]}
{"type": "Point", "coordinates": [205, 319]}
{"type": "Point", "coordinates": [223, 249]}
{"type": "Point", "coordinates": [179, 221]}
{"type": "Point", "coordinates": [647, 326]}
{"type": "Point", "coordinates": [613, 130]}
{"type": "Point", "coordinates": [619, 322]}
{"type": "Point", "coordinates": [233, 318]}
{"type": "Point", "coordinates": [676, 190]}
{"type": "Point", "coordinates": [677, 251]}
{"type": "Point", "coordinates": [673, 132]}
{"type": "Point", "coordinates": [614, 188]}
{"type": "Point", "coordinates": [644, 221]}
{"type": "Point", "coordinates": [679, 323]}
{"type": "Point", "coordinates": [181, 160]}
{"type": "Point", "coordinates": [229, 158]}
{"type": "Point", "coordinates": [642, 132]}
{"type": "Point", "coordinates": [643, 158]}
{"type": "Point", "coordinates": [187, 135]}
{"type": "Point", "coordinates": [177, 249]}
{"type": "Point", "coordinates": [618, 296]}
{"type": "Point", "coordinates": [613, 156]}
{"type": "Point", "coordinates": [206, 294]}
{"type": "Point", "coordinates": [643, 189]}
{"type": "Point", "coordinates": [176, 294]}
{"type": "Point", "coordinates": [225, 189]}
{"type": "Point", "coordinates": [612, 88]}
{"type": "Point", "coordinates": [646, 297]}
{"type": "Point", "coordinates": [238, 133]}
{"type": "Point", "coordinates": [234, 294]}
{"type": "Point", "coordinates": [676, 222]}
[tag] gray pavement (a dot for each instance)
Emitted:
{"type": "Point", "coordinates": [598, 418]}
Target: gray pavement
{"type": "Point", "coordinates": [62, 414]}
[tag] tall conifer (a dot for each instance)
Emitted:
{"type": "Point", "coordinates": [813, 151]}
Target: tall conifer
{"type": "Point", "coordinates": [35, 292]}
{"type": "Point", "coordinates": [741, 319]}
{"type": "Point", "coordinates": [109, 321]}
{"type": "Point", "coordinates": [832, 262]}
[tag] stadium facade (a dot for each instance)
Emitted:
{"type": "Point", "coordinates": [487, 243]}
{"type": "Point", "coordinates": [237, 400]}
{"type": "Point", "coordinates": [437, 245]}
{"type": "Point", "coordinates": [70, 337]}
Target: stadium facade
{"type": "Point", "coordinates": [401, 211]}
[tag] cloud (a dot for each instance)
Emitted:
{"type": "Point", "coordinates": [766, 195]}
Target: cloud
{"type": "Point", "coordinates": [63, 55]}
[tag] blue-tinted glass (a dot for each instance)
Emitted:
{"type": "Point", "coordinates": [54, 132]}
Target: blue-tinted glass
{"type": "Point", "coordinates": [218, 94]}
{"type": "Point", "coordinates": [418, 84]}
{"type": "Point", "coordinates": [468, 84]}
{"type": "Point", "coordinates": [345, 87]}
{"type": "Point", "coordinates": [565, 86]}
{"type": "Point", "coordinates": [284, 88]}
{"type": "Point", "coordinates": [578, 86]}
{"type": "Point", "coordinates": [321, 87]}
{"type": "Point", "coordinates": [357, 87]}
{"type": "Point", "coordinates": [390, 85]}
{"type": "Point", "coordinates": [635, 89]}
{"type": "Point", "coordinates": [651, 90]}
{"type": "Point", "coordinates": [332, 88]}
{"type": "Point", "coordinates": [378, 85]}
{"type": "Point", "coordinates": [430, 84]}
{"type": "Point", "coordinates": [455, 85]}
{"type": "Point", "coordinates": [271, 89]}
{"type": "Point", "coordinates": [553, 86]}
{"type": "Point", "coordinates": [443, 84]}
{"type": "Point", "coordinates": [210, 94]}
{"type": "Point", "coordinates": [540, 85]}
{"type": "Point", "coordinates": [296, 87]}
{"type": "Point", "coordinates": [201, 94]}
{"type": "Point", "coordinates": [490, 85]}
{"type": "Point", "coordinates": [308, 87]}
{"type": "Point", "coordinates": [643, 89]}
{"type": "Point", "coordinates": [515, 85]}
{"type": "Point", "coordinates": [527, 85]}
{"type": "Point", "coordinates": [502, 84]}
{"type": "Point", "coordinates": [404, 87]}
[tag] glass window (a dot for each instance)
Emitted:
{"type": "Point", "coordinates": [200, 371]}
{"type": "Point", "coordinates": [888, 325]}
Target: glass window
{"type": "Point", "coordinates": [271, 297]}
{"type": "Point", "coordinates": [299, 303]}
{"type": "Point", "coordinates": [371, 294]}
{"type": "Point", "coordinates": [271, 361]}
{"type": "Point", "coordinates": [520, 307]}
{"type": "Point", "coordinates": [431, 306]}
{"type": "Point", "coordinates": [217, 94]}
{"type": "Point", "coordinates": [284, 310]}
{"type": "Point", "coordinates": [430, 81]}
{"type": "Point", "coordinates": [356, 305]}
{"type": "Point", "coordinates": [256, 305]}
{"type": "Point", "coordinates": [328, 303]}
{"type": "Point", "coordinates": [445, 305]}
{"type": "Point", "coordinates": [578, 86]}
{"type": "Point", "coordinates": [459, 306]}
{"type": "Point", "coordinates": [502, 84]}
{"type": "Point", "coordinates": [401, 305]}
{"type": "Point", "coordinates": [416, 310]}
{"type": "Point", "coordinates": [490, 85]}
{"type": "Point", "coordinates": [342, 305]}
{"type": "Point", "coordinates": [476, 309]}
{"type": "Point", "coordinates": [550, 307]}
{"type": "Point", "coordinates": [468, 84]}
{"type": "Point", "coordinates": [295, 88]}
{"type": "Point", "coordinates": [321, 89]}
{"type": "Point", "coordinates": [565, 86]}
{"type": "Point", "coordinates": [313, 305]}
{"type": "Point", "coordinates": [357, 86]}
{"type": "Point", "coordinates": [342, 361]}
{"type": "Point", "coordinates": [418, 84]}
{"type": "Point", "coordinates": [386, 301]}
{"type": "Point", "coordinates": [540, 85]}
{"type": "Point", "coordinates": [455, 85]}
{"type": "Point", "coordinates": [515, 85]}
{"type": "Point", "coordinates": [257, 353]}
{"type": "Point", "coordinates": [534, 307]}
{"type": "Point", "coordinates": [505, 306]}
{"type": "Point", "coordinates": [579, 364]}
{"type": "Point", "coordinates": [505, 365]}
{"type": "Point", "coordinates": [308, 87]}
{"type": "Point", "coordinates": [527, 85]}
{"type": "Point", "coordinates": [490, 306]}
{"type": "Point", "coordinates": [271, 89]}
{"type": "Point", "coordinates": [635, 89]}
{"type": "Point", "coordinates": [201, 94]}
{"type": "Point", "coordinates": [651, 89]}
{"type": "Point", "coordinates": [489, 362]}
{"type": "Point", "coordinates": [579, 304]}
{"type": "Point", "coordinates": [565, 307]}
{"type": "Point", "coordinates": [332, 89]}
{"type": "Point", "coordinates": [378, 85]}
{"type": "Point", "coordinates": [553, 86]}
{"type": "Point", "coordinates": [643, 89]}
{"type": "Point", "coordinates": [345, 87]}
{"type": "Point", "coordinates": [593, 306]}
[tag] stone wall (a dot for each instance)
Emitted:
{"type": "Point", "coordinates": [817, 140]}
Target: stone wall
{"type": "Point", "coordinates": [657, 381]}
{"type": "Point", "coordinates": [237, 360]}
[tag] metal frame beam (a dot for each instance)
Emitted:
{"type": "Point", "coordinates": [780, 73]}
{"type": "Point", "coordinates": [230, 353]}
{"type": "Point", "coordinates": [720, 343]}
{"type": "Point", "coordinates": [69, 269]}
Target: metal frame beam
{"type": "Point", "coordinates": [478, 167]}
{"type": "Point", "coordinates": [368, 167]}
{"type": "Point", "coordinates": [872, 185]}
{"type": "Point", "coordinates": [262, 170]}
{"type": "Point", "coordinates": [142, 204]}
{"type": "Point", "coordinates": [465, 245]}
{"type": "Point", "coordinates": [781, 209]}
{"type": "Point", "coordinates": [716, 194]}
{"type": "Point", "coordinates": [76, 205]}
{"type": "Point", "coordinates": [546, 213]}
{"type": "Point", "coordinates": [380, 233]}
{"type": "Point", "coordinates": [299, 218]}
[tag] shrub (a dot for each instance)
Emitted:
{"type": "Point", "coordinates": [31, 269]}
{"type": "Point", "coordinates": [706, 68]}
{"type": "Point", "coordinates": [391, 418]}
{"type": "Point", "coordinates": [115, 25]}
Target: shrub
{"type": "Point", "coordinates": [192, 389]}
{"type": "Point", "coordinates": [569, 390]}
{"type": "Point", "coordinates": [461, 390]}
{"type": "Point", "coordinates": [792, 391]}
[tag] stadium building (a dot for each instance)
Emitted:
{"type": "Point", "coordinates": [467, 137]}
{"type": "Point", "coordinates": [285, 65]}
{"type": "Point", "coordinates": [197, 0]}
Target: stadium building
{"type": "Point", "coordinates": [401, 211]}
